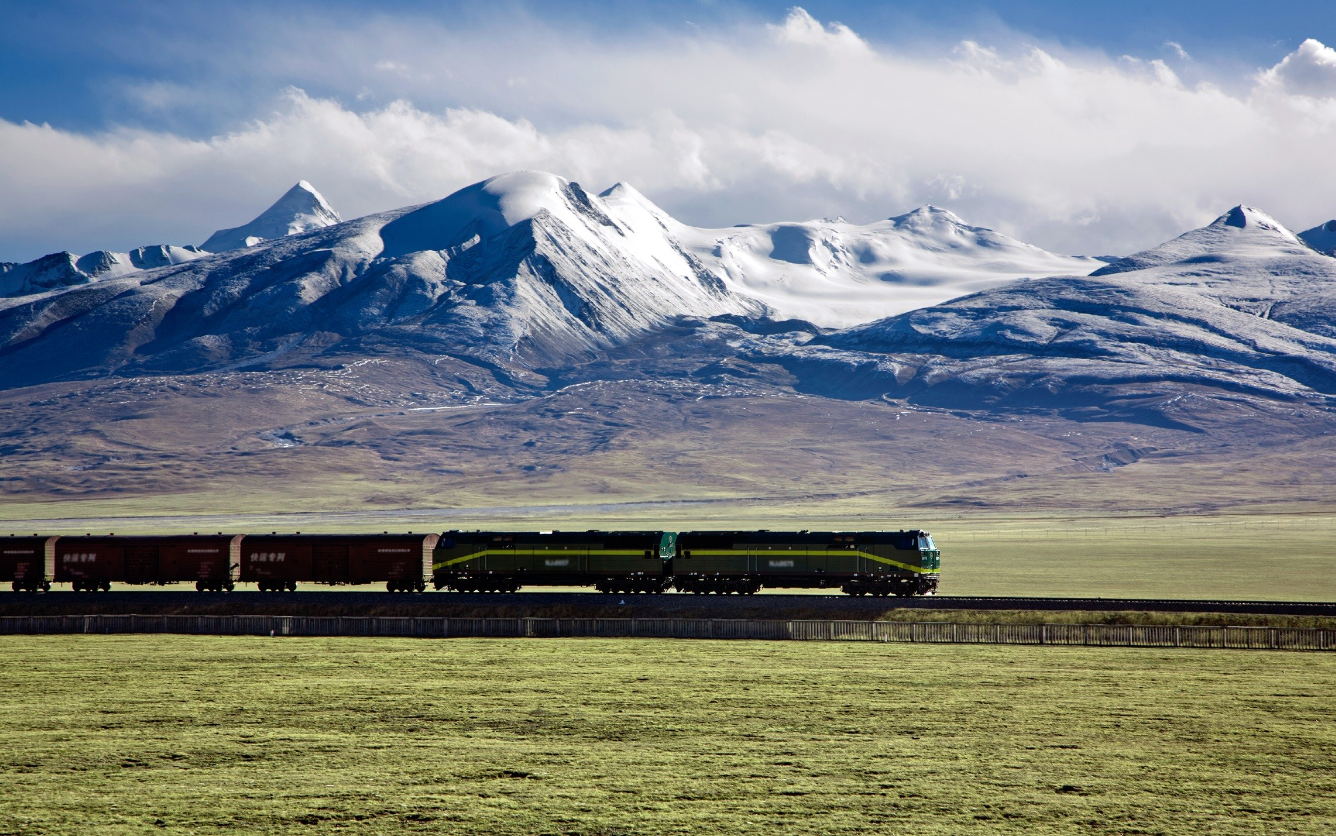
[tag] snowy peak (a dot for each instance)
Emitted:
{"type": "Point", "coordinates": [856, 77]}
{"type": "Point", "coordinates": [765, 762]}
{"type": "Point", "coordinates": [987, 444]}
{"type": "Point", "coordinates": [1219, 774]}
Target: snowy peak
{"type": "Point", "coordinates": [300, 209]}
{"type": "Point", "coordinates": [1246, 217]}
{"type": "Point", "coordinates": [61, 270]}
{"type": "Point", "coordinates": [163, 255]}
{"type": "Point", "coordinates": [928, 217]}
{"type": "Point", "coordinates": [624, 198]}
{"type": "Point", "coordinates": [484, 210]}
{"type": "Point", "coordinates": [1242, 232]}
{"type": "Point", "coordinates": [836, 274]}
{"type": "Point", "coordinates": [1321, 238]}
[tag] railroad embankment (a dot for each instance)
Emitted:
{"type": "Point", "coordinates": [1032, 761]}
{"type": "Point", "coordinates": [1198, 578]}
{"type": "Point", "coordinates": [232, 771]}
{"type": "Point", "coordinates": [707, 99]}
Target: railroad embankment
{"type": "Point", "coordinates": [760, 607]}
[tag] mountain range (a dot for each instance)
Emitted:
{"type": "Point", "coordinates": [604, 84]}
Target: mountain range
{"type": "Point", "coordinates": [525, 291]}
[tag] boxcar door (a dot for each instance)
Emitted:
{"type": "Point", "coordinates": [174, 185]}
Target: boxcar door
{"type": "Point", "coordinates": [141, 564]}
{"type": "Point", "coordinates": [329, 563]}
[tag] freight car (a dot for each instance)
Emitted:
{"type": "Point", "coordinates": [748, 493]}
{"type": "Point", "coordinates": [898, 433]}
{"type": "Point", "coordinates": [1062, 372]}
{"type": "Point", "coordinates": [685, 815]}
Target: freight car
{"type": "Point", "coordinates": [278, 562]}
{"type": "Point", "coordinates": [28, 563]}
{"type": "Point", "coordinates": [504, 561]}
{"type": "Point", "coordinates": [878, 563]}
{"type": "Point", "coordinates": [91, 564]}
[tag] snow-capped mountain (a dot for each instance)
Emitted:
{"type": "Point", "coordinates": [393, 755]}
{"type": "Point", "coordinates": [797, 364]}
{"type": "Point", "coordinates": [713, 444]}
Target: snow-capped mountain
{"type": "Point", "coordinates": [300, 209]}
{"type": "Point", "coordinates": [1321, 238]}
{"type": "Point", "coordinates": [524, 268]}
{"type": "Point", "coordinates": [527, 274]}
{"type": "Point", "coordinates": [1239, 305]}
{"type": "Point", "coordinates": [64, 269]}
{"type": "Point", "coordinates": [838, 274]}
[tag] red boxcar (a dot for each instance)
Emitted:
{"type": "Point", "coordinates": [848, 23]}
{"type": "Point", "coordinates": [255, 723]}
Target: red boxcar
{"type": "Point", "coordinates": [94, 563]}
{"type": "Point", "coordinates": [280, 561]}
{"type": "Point", "coordinates": [28, 563]}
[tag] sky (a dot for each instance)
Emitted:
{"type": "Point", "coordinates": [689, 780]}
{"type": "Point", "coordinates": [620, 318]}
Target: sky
{"type": "Point", "coordinates": [1083, 128]}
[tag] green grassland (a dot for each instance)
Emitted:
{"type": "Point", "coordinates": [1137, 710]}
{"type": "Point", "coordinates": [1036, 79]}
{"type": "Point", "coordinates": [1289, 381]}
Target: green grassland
{"type": "Point", "coordinates": [156, 734]}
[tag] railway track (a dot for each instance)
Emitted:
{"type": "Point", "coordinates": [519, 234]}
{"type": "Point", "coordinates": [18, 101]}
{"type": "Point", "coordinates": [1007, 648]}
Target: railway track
{"type": "Point", "coordinates": [594, 604]}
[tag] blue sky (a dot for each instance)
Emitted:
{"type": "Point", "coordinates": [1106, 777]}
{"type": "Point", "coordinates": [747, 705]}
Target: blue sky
{"type": "Point", "coordinates": [167, 120]}
{"type": "Point", "coordinates": [70, 63]}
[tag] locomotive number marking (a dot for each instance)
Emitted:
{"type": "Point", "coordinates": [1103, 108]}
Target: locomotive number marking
{"type": "Point", "coordinates": [781, 564]}
{"type": "Point", "coordinates": [553, 562]}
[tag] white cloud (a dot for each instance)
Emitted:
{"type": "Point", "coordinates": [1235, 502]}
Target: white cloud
{"type": "Point", "coordinates": [1176, 49]}
{"type": "Point", "coordinates": [801, 28]}
{"type": "Point", "coordinates": [1308, 71]}
{"type": "Point", "coordinates": [1078, 153]}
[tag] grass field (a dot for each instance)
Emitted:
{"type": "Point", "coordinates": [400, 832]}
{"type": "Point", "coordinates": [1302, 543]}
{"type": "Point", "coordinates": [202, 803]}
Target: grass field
{"type": "Point", "coordinates": [230, 735]}
{"type": "Point", "coordinates": [1262, 557]}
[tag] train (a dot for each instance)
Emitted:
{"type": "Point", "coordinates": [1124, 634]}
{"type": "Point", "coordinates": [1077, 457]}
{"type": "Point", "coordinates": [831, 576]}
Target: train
{"type": "Point", "coordinates": [878, 563]}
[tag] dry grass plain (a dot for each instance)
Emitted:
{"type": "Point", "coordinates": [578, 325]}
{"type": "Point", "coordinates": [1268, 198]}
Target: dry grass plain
{"type": "Point", "coordinates": [1215, 497]}
{"type": "Point", "coordinates": [135, 735]}
{"type": "Point", "coordinates": [1277, 557]}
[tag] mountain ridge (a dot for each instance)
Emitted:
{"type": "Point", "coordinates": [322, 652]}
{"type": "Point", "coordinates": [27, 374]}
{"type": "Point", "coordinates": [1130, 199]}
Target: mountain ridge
{"type": "Point", "coordinates": [533, 277]}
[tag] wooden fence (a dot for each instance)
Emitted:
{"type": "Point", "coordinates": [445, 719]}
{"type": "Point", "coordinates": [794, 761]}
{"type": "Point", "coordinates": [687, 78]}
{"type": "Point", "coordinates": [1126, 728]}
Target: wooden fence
{"type": "Point", "coordinates": [1084, 635]}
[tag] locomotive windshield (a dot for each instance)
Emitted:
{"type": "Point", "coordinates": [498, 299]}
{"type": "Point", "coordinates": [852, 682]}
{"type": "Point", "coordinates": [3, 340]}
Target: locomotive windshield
{"type": "Point", "coordinates": [925, 541]}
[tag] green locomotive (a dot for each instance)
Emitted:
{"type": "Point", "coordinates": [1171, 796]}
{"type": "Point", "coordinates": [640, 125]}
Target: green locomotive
{"type": "Point", "coordinates": [503, 561]}
{"type": "Point", "coordinates": [741, 562]}
{"type": "Point", "coordinates": [879, 563]}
